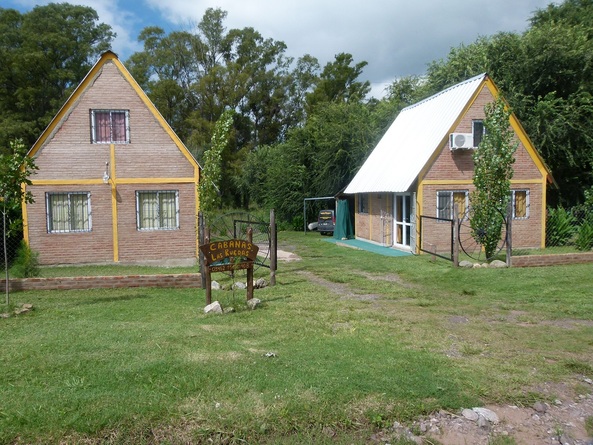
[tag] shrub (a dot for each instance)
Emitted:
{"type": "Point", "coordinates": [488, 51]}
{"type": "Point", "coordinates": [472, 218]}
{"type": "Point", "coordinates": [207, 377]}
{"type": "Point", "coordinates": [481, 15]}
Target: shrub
{"type": "Point", "coordinates": [26, 263]}
{"type": "Point", "coordinates": [561, 227]}
{"type": "Point", "coordinates": [584, 240]}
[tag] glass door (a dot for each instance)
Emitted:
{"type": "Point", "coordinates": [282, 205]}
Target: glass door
{"type": "Point", "coordinates": [402, 226]}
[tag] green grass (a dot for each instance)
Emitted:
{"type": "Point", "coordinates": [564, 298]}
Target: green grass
{"type": "Point", "coordinates": [380, 339]}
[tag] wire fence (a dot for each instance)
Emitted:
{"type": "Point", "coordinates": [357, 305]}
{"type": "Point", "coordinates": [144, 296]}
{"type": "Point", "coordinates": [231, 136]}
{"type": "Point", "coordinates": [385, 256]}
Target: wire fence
{"type": "Point", "coordinates": [568, 230]}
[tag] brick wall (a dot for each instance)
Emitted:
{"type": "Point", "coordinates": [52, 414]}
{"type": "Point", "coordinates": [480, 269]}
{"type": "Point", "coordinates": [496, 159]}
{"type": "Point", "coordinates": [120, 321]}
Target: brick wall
{"type": "Point", "coordinates": [190, 280]}
{"type": "Point", "coordinates": [147, 162]}
{"type": "Point", "coordinates": [451, 166]}
{"type": "Point", "coordinates": [552, 260]}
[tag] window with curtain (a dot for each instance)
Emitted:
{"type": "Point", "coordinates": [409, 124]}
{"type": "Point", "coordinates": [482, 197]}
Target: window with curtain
{"type": "Point", "coordinates": [110, 126]}
{"type": "Point", "coordinates": [68, 212]}
{"type": "Point", "coordinates": [157, 210]}
{"type": "Point", "coordinates": [447, 199]}
{"type": "Point", "coordinates": [520, 200]}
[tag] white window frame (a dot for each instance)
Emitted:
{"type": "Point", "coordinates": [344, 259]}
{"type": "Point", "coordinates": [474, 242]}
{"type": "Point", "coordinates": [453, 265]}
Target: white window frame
{"type": "Point", "coordinates": [514, 206]}
{"type": "Point", "coordinates": [110, 141]}
{"type": "Point", "coordinates": [446, 212]}
{"type": "Point", "coordinates": [52, 219]}
{"type": "Point", "coordinates": [157, 217]}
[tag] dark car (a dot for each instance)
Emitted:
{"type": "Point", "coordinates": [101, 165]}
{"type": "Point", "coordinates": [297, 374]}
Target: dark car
{"type": "Point", "coordinates": [326, 222]}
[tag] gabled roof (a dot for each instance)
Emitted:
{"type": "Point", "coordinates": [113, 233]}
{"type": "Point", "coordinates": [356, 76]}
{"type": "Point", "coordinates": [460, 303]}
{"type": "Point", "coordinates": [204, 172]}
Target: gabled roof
{"type": "Point", "coordinates": [86, 83]}
{"type": "Point", "coordinates": [411, 140]}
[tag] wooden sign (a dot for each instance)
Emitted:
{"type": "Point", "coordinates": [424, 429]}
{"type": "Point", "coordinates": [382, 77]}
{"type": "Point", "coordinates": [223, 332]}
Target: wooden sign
{"type": "Point", "coordinates": [233, 250]}
{"type": "Point", "coordinates": [229, 255]}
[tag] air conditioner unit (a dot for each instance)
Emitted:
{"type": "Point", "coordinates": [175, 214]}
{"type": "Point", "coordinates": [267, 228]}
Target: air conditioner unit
{"type": "Point", "coordinates": [461, 141]}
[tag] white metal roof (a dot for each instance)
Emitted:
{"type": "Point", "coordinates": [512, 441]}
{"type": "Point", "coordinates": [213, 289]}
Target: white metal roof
{"type": "Point", "coordinates": [410, 141]}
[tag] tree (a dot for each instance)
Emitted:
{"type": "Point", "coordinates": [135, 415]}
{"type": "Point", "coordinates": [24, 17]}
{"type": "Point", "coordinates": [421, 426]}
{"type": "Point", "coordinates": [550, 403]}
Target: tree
{"type": "Point", "coordinates": [212, 171]}
{"type": "Point", "coordinates": [493, 170]}
{"type": "Point", "coordinates": [15, 169]}
{"type": "Point", "coordinates": [45, 53]}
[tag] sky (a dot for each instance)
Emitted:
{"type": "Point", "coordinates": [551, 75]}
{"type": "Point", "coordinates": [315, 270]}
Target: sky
{"type": "Point", "coordinates": [396, 38]}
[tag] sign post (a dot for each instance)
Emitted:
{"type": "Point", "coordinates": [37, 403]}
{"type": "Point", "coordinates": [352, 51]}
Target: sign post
{"type": "Point", "coordinates": [229, 255]}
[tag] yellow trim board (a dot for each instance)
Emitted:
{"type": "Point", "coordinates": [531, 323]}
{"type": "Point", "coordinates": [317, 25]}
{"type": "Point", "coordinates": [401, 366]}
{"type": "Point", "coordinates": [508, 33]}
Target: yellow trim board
{"type": "Point", "coordinates": [112, 180]}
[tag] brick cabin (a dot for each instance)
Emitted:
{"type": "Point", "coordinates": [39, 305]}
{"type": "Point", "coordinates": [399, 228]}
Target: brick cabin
{"type": "Point", "coordinates": [115, 183]}
{"type": "Point", "coordinates": [418, 168]}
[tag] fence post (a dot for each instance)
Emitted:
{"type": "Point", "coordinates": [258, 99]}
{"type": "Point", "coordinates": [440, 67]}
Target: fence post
{"type": "Point", "coordinates": [455, 230]}
{"type": "Point", "coordinates": [509, 240]}
{"type": "Point", "coordinates": [5, 251]}
{"type": "Point", "coordinates": [201, 262]}
{"type": "Point", "coordinates": [273, 248]}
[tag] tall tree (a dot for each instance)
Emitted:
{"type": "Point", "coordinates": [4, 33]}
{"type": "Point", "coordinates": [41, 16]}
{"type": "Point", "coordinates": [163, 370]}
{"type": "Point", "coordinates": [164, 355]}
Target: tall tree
{"type": "Point", "coordinates": [493, 171]}
{"type": "Point", "coordinates": [45, 53]}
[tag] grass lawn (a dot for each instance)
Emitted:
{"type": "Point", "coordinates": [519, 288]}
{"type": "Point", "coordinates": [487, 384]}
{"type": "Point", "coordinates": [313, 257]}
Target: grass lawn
{"type": "Point", "coordinates": [345, 343]}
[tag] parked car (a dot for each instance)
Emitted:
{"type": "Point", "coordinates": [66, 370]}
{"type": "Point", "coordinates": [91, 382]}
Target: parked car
{"type": "Point", "coordinates": [326, 222]}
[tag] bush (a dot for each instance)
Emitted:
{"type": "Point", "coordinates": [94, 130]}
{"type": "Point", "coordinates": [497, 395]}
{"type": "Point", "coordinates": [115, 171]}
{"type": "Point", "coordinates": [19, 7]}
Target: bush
{"type": "Point", "coordinates": [584, 240]}
{"type": "Point", "coordinates": [561, 227]}
{"type": "Point", "coordinates": [26, 263]}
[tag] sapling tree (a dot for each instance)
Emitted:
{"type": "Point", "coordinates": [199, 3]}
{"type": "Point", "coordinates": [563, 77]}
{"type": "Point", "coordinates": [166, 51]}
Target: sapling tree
{"type": "Point", "coordinates": [493, 170]}
{"type": "Point", "coordinates": [212, 169]}
{"type": "Point", "coordinates": [15, 169]}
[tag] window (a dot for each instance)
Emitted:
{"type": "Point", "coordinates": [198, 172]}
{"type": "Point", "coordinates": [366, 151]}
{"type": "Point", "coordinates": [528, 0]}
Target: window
{"type": "Point", "coordinates": [446, 201]}
{"type": "Point", "coordinates": [110, 126]}
{"type": "Point", "coordinates": [157, 210]}
{"type": "Point", "coordinates": [68, 212]}
{"type": "Point", "coordinates": [363, 203]}
{"type": "Point", "coordinates": [520, 200]}
{"type": "Point", "coordinates": [478, 131]}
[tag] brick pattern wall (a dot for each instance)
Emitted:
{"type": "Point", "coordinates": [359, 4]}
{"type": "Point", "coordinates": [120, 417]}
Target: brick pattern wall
{"type": "Point", "coordinates": [151, 155]}
{"type": "Point", "coordinates": [190, 280]}
{"type": "Point", "coordinates": [377, 224]}
{"type": "Point", "coordinates": [552, 260]}
{"type": "Point", "coordinates": [457, 165]}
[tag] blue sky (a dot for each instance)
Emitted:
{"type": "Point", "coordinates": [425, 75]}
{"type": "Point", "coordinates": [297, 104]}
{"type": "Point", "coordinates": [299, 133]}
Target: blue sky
{"type": "Point", "coordinates": [396, 37]}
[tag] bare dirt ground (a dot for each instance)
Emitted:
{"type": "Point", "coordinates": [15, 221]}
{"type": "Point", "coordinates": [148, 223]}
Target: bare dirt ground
{"type": "Point", "coordinates": [561, 422]}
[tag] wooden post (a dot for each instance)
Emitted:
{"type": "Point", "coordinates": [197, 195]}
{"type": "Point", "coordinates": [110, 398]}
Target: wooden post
{"type": "Point", "coordinates": [208, 281]}
{"type": "Point", "coordinates": [250, 268]}
{"type": "Point", "coordinates": [201, 230]}
{"type": "Point", "coordinates": [273, 248]}
{"type": "Point", "coordinates": [509, 240]}
{"type": "Point", "coordinates": [456, 225]}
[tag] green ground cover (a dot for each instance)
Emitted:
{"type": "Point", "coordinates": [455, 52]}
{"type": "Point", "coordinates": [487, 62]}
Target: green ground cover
{"type": "Point", "coordinates": [347, 341]}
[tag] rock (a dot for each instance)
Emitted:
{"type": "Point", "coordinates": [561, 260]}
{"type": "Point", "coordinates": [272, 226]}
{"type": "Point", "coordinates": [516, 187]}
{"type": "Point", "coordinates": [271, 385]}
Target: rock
{"type": "Point", "coordinates": [213, 308]}
{"type": "Point", "coordinates": [253, 303]}
{"type": "Point", "coordinates": [466, 264]}
{"type": "Point", "coordinates": [477, 266]}
{"type": "Point", "coordinates": [239, 285]}
{"type": "Point", "coordinates": [497, 264]}
{"type": "Point", "coordinates": [564, 439]}
{"type": "Point", "coordinates": [470, 414]}
{"type": "Point", "coordinates": [215, 285]}
{"type": "Point", "coordinates": [540, 407]}
{"type": "Point", "coordinates": [483, 422]}
{"type": "Point", "coordinates": [588, 380]}
{"type": "Point", "coordinates": [260, 283]}
{"type": "Point", "coordinates": [489, 415]}
{"type": "Point", "coordinates": [270, 354]}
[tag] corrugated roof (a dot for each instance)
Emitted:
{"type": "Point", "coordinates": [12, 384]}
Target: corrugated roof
{"type": "Point", "coordinates": [410, 141]}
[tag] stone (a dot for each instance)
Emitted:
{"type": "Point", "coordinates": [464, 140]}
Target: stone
{"type": "Point", "coordinates": [489, 415]}
{"type": "Point", "coordinates": [253, 303]}
{"type": "Point", "coordinates": [565, 440]}
{"type": "Point", "coordinates": [466, 264]}
{"type": "Point", "coordinates": [213, 308]}
{"type": "Point", "coordinates": [239, 285]}
{"type": "Point", "coordinates": [215, 285]}
{"type": "Point", "coordinates": [540, 407]}
{"type": "Point", "coordinates": [497, 264]}
{"type": "Point", "coordinates": [483, 422]}
{"type": "Point", "coordinates": [470, 414]}
{"type": "Point", "coordinates": [260, 283]}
